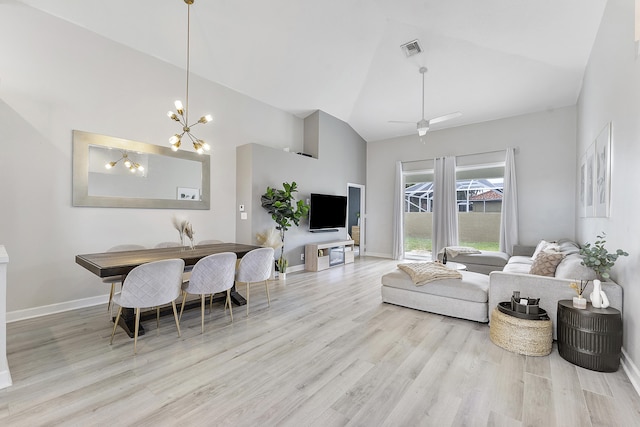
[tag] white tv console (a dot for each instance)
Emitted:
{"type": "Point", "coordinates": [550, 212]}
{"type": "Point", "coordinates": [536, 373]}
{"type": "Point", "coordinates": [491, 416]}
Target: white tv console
{"type": "Point", "coordinates": [320, 256]}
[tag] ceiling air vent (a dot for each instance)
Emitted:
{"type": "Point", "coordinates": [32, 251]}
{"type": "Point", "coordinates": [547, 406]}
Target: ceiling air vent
{"type": "Point", "coordinates": [411, 48]}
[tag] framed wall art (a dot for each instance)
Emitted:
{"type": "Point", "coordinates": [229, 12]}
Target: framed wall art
{"type": "Point", "coordinates": [602, 183]}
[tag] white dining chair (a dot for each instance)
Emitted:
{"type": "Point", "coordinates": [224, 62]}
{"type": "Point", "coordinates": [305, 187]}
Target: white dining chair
{"type": "Point", "coordinates": [150, 285]}
{"type": "Point", "coordinates": [255, 267]}
{"type": "Point", "coordinates": [113, 280]}
{"type": "Point", "coordinates": [211, 275]}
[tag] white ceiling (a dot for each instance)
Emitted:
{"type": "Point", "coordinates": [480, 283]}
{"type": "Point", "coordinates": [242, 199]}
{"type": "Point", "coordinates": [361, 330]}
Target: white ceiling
{"type": "Point", "coordinates": [486, 58]}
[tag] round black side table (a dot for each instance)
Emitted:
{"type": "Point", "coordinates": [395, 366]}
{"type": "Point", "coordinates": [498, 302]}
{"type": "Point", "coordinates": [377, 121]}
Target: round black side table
{"type": "Point", "coordinates": [591, 337]}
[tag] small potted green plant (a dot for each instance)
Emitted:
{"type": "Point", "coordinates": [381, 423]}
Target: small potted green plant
{"type": "Point", "coordinates": [285, 211]}
{"type": "Point", "coordinates": [598, 258]}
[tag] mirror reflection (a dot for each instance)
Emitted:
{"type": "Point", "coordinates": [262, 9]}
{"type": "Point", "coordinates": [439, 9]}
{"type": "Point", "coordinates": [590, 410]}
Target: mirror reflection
{"type": "Point", "coordinates": [113, 172]}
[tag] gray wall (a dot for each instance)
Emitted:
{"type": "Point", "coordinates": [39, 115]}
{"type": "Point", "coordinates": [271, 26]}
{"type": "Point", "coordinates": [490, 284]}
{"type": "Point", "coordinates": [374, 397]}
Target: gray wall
{"type": "Point", "coordinates": [611, 93]}
{"type": "Point", "coordinates": [74, 79]}
{"type": "Point", "coordinates": [341, 160]}
{"type": "Point", "coordinates": [545, 169]}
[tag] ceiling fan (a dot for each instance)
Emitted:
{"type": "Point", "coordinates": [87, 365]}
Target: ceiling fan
{"type": "Point", "coordinates": [424, 124]}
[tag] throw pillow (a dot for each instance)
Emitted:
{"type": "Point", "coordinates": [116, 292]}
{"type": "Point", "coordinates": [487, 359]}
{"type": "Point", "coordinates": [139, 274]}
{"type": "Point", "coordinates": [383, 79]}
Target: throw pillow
{"type": "Point", "coordinates": [571, 268]}
{"type": "Point", "coordinates": [546, 263]}
{"type": "Point", "coordinates": [541, 247]}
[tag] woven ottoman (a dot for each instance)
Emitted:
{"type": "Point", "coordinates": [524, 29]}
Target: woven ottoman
{"type": "Point", "coordinates": [522, 336]}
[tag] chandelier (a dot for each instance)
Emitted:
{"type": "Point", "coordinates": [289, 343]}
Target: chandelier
{"type": "Point", "coordinates": [182, 114]}
{"type": "Point", "coordinates": [128, 163]}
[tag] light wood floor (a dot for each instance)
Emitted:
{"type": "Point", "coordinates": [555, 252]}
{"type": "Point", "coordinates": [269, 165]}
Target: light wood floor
{"type": "Point", "coordinates": [327, 352]}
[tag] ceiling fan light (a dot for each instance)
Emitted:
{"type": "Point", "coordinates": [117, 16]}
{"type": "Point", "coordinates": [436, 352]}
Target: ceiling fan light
{"type": "Point", "coordinates": [422, 131]}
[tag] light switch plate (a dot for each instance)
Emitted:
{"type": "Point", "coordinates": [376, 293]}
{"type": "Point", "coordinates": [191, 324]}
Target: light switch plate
{"type": "Point", "coordinates": [243, 215]}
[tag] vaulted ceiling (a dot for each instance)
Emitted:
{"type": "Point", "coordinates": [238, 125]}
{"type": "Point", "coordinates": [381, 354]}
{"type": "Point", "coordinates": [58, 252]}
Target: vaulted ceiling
{"type": "Point", "coordinates": [487, 59]}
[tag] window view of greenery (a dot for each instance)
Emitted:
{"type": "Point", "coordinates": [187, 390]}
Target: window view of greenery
{"type": "Point", "coordinates": [479, 207]}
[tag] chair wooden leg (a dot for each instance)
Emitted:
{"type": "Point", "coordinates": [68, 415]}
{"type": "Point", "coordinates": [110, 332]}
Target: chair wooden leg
{"type": "Point", "coordinates": [228, 301]}
{"type": "Point", "coordinates": [184, 298]}
{"type": "Point", "coordinates": [248, 298]}
{"type": "Point", "coordinates": [158, 318]}
{"type": "Point", "coordinates": [115, 325]}
{"type": "Point", "coordinates": [266, 285]}
{"type": "Point", "coordinates": [211, 304]}
{"type": "Point", "coordinates": [175, 315]}
{"type": "Point", "coordinates": [135, 334]}
{"type": "Point", "coordinates": [202, 305]}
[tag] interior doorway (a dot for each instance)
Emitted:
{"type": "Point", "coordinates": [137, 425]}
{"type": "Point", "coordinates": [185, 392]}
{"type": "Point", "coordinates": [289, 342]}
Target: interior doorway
{"type": "Point", "coordinates": [356, 216]}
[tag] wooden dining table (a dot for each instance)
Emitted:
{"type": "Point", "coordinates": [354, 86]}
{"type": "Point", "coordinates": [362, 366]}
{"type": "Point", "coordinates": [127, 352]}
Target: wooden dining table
{"type": "Point", "coordinates": [107, 264]}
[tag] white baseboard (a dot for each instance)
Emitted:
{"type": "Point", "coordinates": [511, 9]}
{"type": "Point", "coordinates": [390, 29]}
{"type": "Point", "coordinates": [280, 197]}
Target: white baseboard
{"type": "Point", "coordinates": [377, 255]}
{"type": "Point", "coordinates": [29, 313]}
{"type": "Point", "coordinates": [5, 377]}
{"type": "Point", "coordinates": [631, 370]}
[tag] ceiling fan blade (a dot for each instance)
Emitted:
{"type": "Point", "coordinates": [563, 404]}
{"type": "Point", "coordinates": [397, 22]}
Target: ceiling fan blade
{"type": "Point", "coordinates": [445, 117]}
{"type": "Point", "coordinates": [400, 121]}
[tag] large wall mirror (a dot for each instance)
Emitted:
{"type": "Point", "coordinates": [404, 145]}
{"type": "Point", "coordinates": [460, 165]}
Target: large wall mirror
{"type": "Point", "coordinates": [114, 172]}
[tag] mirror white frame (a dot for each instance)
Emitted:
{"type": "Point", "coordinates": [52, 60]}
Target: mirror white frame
{"type": "Point", "coordinates": [82, 141]}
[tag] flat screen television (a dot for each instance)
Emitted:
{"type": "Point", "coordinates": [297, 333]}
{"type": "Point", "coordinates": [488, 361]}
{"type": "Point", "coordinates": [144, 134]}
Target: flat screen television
{"type": "Point", "coordinates": [327, 212]}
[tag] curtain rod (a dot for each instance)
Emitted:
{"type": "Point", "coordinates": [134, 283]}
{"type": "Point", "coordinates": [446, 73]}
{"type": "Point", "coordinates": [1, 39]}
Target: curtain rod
{"type": "Point", "coordinates": [464, 155]}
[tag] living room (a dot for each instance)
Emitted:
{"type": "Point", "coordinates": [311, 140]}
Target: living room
{"type": "Point", "coordinates": [56, 77]}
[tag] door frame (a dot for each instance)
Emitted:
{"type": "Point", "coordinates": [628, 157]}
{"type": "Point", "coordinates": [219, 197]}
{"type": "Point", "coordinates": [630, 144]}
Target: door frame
{"type": "Point", "coordinates": [363, 215]}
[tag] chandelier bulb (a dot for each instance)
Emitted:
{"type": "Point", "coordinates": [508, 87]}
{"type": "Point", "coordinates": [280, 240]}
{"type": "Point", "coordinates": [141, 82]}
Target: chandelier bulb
{"type": "Point", "coordinates": [110, 165]}
{"type": "Point", "coordinates": [178, 106]}
{"type": "Point", "coordinates": [205, 119]}
{"type": "Point", "coordinates": [174, 139]}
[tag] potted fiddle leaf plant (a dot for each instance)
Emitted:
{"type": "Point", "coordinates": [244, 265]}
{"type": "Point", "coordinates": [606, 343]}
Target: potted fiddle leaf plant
{"type": "Point", "coordinates": [286, 212]}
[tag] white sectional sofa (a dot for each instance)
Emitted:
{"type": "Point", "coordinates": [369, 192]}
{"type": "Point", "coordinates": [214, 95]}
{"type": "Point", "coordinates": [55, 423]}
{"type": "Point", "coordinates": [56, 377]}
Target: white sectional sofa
{"type": "Point", "coordinates": [476, 295]}
{"type": "Point", "coordinates": [515, 277]}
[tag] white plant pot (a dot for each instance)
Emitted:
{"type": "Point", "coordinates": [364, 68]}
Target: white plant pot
{"type": "Point", "coordinates": [282, 276]}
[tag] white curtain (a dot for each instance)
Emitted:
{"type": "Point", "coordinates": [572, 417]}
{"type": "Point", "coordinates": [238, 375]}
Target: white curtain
{"type": "Point", "coordinates": [398, 214]}
{"type": "Point", "coordinates": [445, 205]}
{"type": "Point", "coordinates": [509, 220]}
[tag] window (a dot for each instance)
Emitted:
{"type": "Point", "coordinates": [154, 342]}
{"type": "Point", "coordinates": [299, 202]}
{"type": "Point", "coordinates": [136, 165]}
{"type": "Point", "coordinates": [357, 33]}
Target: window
{"type": "Point", "coordinates": [479, 192]}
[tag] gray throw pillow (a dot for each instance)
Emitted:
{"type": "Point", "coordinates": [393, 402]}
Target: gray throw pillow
{"type": "Point", "coordinates": [571, 268]}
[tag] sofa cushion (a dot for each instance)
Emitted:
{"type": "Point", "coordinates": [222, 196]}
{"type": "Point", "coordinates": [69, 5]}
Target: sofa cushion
{"type": "Point", "coordinates": [546, 263]}
{"type": "Point", "coordinates": [568, 247]}
{"type": "Point", "coordinates": [472, 287]}
{"type": "Point", "coordinates": [542, 245]}
{"type": "Point", "coordinates": [571, 268]}
{"type": "Point", "coordinates": [516, 267]}
{"type": "Point", "coordinates": [494, 258]}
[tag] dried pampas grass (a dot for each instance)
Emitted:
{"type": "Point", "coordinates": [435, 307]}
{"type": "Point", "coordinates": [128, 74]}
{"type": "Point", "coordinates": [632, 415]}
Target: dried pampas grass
{"type": "Point", "coordinates": [270, 238]}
